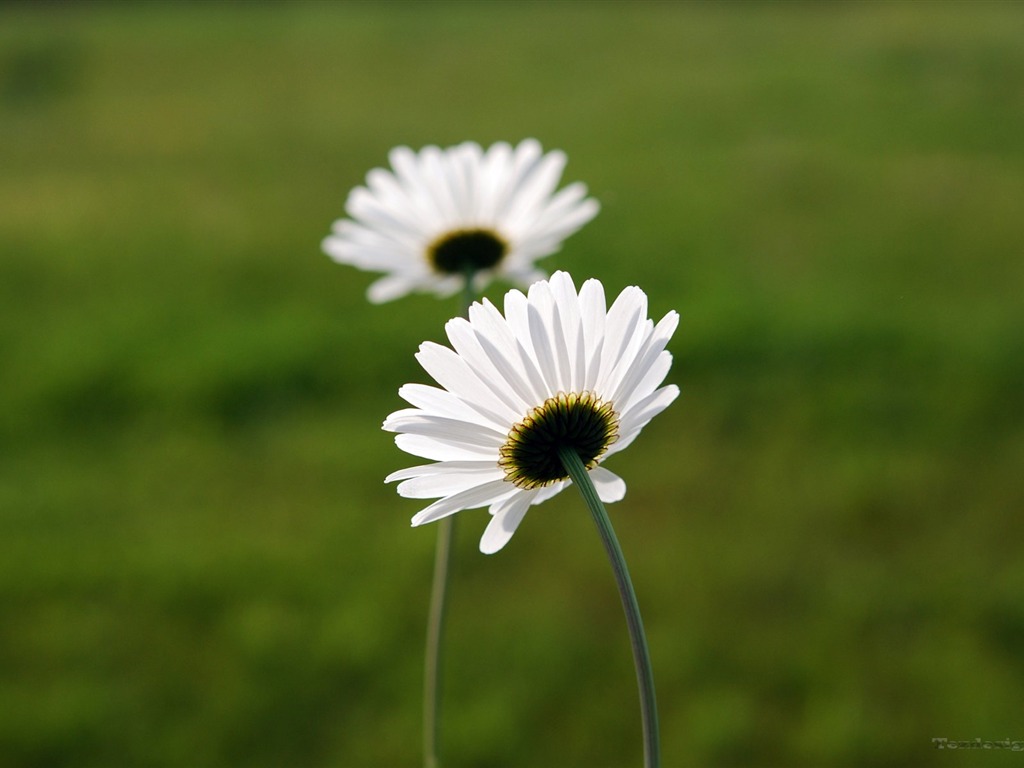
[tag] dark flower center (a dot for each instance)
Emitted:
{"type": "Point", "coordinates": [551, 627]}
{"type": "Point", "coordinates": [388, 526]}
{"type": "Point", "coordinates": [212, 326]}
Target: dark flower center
{"type": "Point", "coordinates": [466, 250]}
{"type": "Point", "coordinates": [581, 421]}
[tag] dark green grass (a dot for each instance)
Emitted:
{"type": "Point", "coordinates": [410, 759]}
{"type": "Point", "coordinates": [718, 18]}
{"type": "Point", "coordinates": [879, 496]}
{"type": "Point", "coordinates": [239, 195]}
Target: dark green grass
{"type": "Point", "coordinates": [199, 563]}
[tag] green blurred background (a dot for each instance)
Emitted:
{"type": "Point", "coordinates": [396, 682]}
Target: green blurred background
{"type": "Point", "coordinates": [199, 562]}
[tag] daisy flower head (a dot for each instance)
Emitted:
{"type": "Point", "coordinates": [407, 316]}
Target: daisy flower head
{"type": "Point", "coordinates": [559, 369]}
{"type": "Point", "coordinates": [441, 214]}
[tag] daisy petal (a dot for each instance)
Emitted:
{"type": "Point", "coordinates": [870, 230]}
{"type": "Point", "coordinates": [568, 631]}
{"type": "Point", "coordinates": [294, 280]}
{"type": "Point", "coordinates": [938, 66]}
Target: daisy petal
{"type": "Point", "coordinates": [592, 317]}
{"type": "Point", "coordinates": [454, 374]}
{"type": "Point", "coordinates": [508, 514]}
{"type": "Point", "coordinates": [478, 496]}
{"type": "Point", "coordinates": [568, 306]}
{"type": "Point", "coordinates": [550, 492]}
{"type": "Point", "coordinates": [638, 416]}
{"type": "Point", "coordinates": [440, 467]}
{"type": "Point", "coordinates": [610, 487]}
{"type": "Point", "coordinates": [540, 311]}
{"type": "Point", "coordinates": [387, 288]}
{"type": "Point", "coordinates": [443, 450]}
{"type": "Point", "coordinates": [626, 329]}
{"type": "Point", "coordinates": [412, 421]}
{"type": "Point", "coordinates": [517, 317]}
{"type": "Point", "coordinates": [440, 402]}
{"type": "Point", "coordinates": [468, 346]}
{"type": "Point", "coordinates": [648, 357]}
{"type": "Point", "coordinates": [445, 483]}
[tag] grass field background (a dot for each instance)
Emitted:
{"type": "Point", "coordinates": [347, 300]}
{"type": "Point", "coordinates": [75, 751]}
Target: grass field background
{"type": "Point", "coordinates": [199, 562]}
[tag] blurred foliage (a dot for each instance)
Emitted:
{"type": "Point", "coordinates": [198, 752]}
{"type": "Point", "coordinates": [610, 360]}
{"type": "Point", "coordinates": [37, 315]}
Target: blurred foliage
{"type": "Point", "coordinates": [199, 563]}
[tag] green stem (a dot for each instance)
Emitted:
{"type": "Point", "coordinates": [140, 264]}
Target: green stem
{"type": "Point", "coordinates": [432, 667]}
{"type": "Point", "coordinates": [641, 657]}
{"type": "Point", "coordinates": [468, 292]}
{"type": "Point", "coordinates": [435, 633]}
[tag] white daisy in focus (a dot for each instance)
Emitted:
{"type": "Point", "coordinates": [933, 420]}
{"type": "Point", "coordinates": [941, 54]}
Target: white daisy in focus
{"type": "Point", "coordinates": [557, 369]}
{"type": "Point", "coordinates": [443, 212]}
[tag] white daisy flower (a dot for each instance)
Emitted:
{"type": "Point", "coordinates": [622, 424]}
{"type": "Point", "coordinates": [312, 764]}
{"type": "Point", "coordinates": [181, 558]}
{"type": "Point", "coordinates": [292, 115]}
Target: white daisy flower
{"type": "Point", "coordinates": [443, 212]}
{"type": "Point", "coordinates": [558, 369]}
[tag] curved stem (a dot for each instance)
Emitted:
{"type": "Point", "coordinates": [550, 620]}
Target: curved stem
{"type": "Point", "coordinates": [432, 667]}
{"type": "Point", "coordinates": [641, 656]}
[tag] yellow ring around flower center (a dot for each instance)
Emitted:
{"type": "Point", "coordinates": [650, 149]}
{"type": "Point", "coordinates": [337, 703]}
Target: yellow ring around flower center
{"type": "Point", "coordinates": [580, 420]}
{"type": "Point", "coordinates": [463, 250]}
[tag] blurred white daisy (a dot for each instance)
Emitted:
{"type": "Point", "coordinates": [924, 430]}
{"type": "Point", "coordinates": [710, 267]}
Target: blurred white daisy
{"type": "Point", "coordinates": [442, 212]}
{"type": "Point", "coordinates": [558, 369]}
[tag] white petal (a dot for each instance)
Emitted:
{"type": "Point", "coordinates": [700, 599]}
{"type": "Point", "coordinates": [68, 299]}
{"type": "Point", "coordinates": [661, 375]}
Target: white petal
{"type": "Point", "coordinates": [388, 288]}
{"type": "Point", "coordinates": [416, 183]}
{"type": "Point", "coordinates": [624, 333]}
{"type": "Point", "coordinates": [479, 496]}
{"type": "Point", "coordinates": [354, 244]}
{"type": "Point", "coordinates": [648, 356]}
{"type": "Point", "coordinates": [562, 346]}
{"type": "Point", "coordinates": [508, 514]}
{"type": "Point", "coordinates": [640, 414]}
{"type": "Point", "coordinates": [446, 483]}
{"type": "Point", "coordinates": [650, 378]}
{"type": "Point", "coordinates": [392, 193]}
{"type": "Point", "coordinates": [549, 491]}
{"type": "Point", "coordinates": [539, 316]}
{"type": "Point", "coordinates": [459, 181]}
{"type": "Point", "coordinates": [610, 487]}
{"type": "Point", "coordinates": [624, 440]}
{"type": "Point", "coordinates": [437, 449]}
{"type": "Point", "coordinates": [406, 165]}
{"type": "Point", "coordinates": [561, 218]}
{"type": "Point", "coordinates": [524, 159]}
{"type": "Point", "coordinates": [412, 421]}
{"type": "Point", "coordinates": [441, 467]}
{"type": "Point", "coordinates": [534, 188]}
{"type": "Point", "coordinates": [435, 171]}
{"type": "Point", "coordinates": [500, 346]}
{"type": "Point", "coordinates": [441, 402]}
{"type": "Point", "coordinates": [627, 312]}
{"type": "Point", "coordinates": [467, 344]}
{"type": "Point", "coordinates": [517, 316]}
{"type": "Point", "coordinates": [592, 317]}
{"type": "Point", "coordinates": [571, 335]}
{"type": "Point", "coordinates": [360, 234]}
{"type": "Point", "coordinates": [454, 374]}
{"type": "Point", "coordinates": [493, 175]}
{"type": "Point", "coordinates": [447, 285]}
{"type": "Point", "coordinates": [364, 206]}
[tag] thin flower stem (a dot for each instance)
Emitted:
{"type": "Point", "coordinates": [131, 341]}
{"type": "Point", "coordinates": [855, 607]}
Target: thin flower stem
{"type": "Point", "coordinates": [435, 634]}
{"type": "Point", "coordinates": [641, 657]}
{"type": "Point", "coordinates": [468, 291]}
{"type": "Point", "coordinates": [432, 667]}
